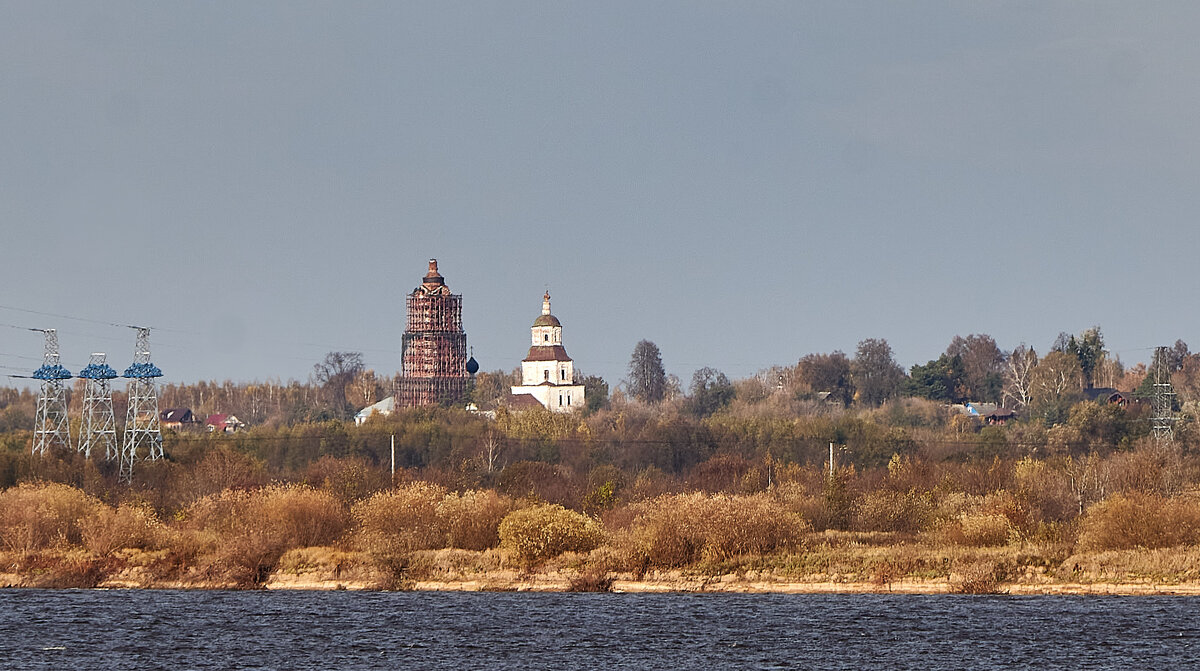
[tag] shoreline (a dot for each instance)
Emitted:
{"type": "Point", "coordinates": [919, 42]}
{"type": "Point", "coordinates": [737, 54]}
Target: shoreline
{"type": "Point", "coordinates": [726, 584]}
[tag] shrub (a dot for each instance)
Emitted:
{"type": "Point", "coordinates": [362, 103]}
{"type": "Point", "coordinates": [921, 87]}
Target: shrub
{"type": "Point", "coordinates": [471, 519]}
{"type": "Point", "coordinates": [546, 531]}
{"type": "Point", "coordinates": [401, 520]}
{"type": "Point", "coordinates": [301, 515]}
{"type": "Point", "coordinates": [885, 510]}
{"type": "Point", "coordinates": [678, 530]}
{"type": "Point", "coordinates": [39, 515]}
{"type": "Point", "coordinates": [977, 530]}
{"type": "Point", "coordinates": [251, 530]}
{"type": "Point", "coordinates": [129, 525]}
{"type": "Point", "coordinates": [1137, 520]}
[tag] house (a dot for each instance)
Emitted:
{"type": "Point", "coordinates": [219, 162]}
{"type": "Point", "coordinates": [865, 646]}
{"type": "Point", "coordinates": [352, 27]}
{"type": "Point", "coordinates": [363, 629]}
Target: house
{"type": "Point", "coordinates": [176, 418]}
{"type": "Point", "coordinates": [1107, 395]}
{"type": "Point", "coordinates": [999, 417]}
{"type": "Point", "coordinates": [385, 407]}
{"type": "Point", "coordinates": [224, 423]}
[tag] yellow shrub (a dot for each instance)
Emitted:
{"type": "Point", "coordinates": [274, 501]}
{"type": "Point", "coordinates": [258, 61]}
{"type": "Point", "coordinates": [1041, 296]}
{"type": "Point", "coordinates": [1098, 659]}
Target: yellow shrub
{"type": "Point", "coordinates": [401, 520]}
{"type": "Point", "coordinates": [680, 529]}
{"type": "Point", "coordinates": [130, 525]}
{"type": "Point", "coordinates": [41, 515]}
{"type": "Point", "coordinates": [1133, 520]}
{"type": "Point", "coordinates": [472, 519]}
{"type": "Point", "coordinates": [546, 531]}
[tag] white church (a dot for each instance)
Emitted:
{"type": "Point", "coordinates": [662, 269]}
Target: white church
{"type": "Point", "coordinates": [547, 373]}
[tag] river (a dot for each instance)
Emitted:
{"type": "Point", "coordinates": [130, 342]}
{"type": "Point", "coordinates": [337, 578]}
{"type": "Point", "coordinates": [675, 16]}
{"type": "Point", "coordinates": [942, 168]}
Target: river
{"type": "Point", "coordinates": [181, 630]}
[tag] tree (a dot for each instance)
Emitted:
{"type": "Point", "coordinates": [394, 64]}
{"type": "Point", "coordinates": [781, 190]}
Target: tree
{"type": "Point", "coordinates": [876, 374]}
{"type": "Point", "coordinates": [710, 391]}
{"type": "Point", "coordinates": [333, 373]}
{"type": "Point", "coordinates": [595, 391]}
{"type": "Point", "coordinates": [982, 363]}
{"type": "Point", "coordinates": [491, 387]}
{"type": "Point", "coordinates": [1018, 376]}
{"type": "Point", "coordinates": [363, 390]}
{"type": "Point", "coordinates": [1055, 383]}
{"type": "Point", "coordinates": [828, 372]}
{"type": "Point", "coordinates": [938, 380]}
{"type": "Point", "coordinates": [1088, 348]}
{"type": "Point", "coordinates": [647, 379]}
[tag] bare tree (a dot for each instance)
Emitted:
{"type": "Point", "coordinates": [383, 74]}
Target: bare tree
{"type": "Point", "coordinates": [1018, 376]}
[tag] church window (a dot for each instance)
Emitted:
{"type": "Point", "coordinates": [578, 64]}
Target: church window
{"type": "Point", "coordinates": [546, 375]}
{"type": "Point", "coordinates": [560, 399]}
{"type": "Point", "coordinates": [545, 337]}
{"type": "Point", "coordinates": [563, 374]}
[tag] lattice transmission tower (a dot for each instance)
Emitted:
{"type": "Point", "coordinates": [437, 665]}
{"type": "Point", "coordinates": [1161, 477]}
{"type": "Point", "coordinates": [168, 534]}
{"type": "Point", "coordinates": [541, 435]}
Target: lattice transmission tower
{"type": "Point", "coordinates": [51, 426]}
{"type": "Point", "coordinates": [1162, 402]}
{"type": "Point", "coordinates": [141, 427]}
{"type": "Point", "coordinates": [99, 428]}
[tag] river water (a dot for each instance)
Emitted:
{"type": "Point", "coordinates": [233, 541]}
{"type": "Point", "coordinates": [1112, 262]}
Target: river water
{"type": "Point", "coordinates": [181, 630]}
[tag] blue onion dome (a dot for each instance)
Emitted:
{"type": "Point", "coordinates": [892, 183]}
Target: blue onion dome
{"type": "Point", "coordinates": [472, 366]}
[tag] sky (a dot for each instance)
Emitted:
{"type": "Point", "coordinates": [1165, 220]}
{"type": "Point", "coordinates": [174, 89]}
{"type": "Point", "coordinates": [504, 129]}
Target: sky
{"type": "Point", "coordinates": [740, 183]}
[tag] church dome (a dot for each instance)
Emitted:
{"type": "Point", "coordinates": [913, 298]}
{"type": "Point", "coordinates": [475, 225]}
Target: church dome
{"type": "Point", "coordinates": [546, 320]}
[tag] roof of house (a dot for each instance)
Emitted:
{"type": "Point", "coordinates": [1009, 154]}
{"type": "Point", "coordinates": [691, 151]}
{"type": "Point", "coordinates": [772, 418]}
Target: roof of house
{"type": "Point", "coordinates": [1106, 393]}
{"type": "Point", "coordinates": [547, 353]}
{"type": "Point", "coordinates": [386, 406]}
{"type": "Point", "coordinates": [175, 415]}
{"type": "Point", "coordinates": [522, 402]}
{"type": "Point", "coordinates": [221, 419]}
{"type": "Point", "coordinates": [1001, 413]}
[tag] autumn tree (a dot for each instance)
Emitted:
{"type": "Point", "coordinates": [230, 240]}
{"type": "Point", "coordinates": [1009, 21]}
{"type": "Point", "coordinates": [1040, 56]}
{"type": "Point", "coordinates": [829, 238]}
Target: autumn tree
{"type": "Point", "coordinates": [1087, 348]}
{"type": "Point", "coordinates": [711, 390]}
{"type": "Point", "coordinates": [876, 375]}
{"type": "Point", "coordinates": [827, 372]}
{"type": "Point", "coordinates": [1055, 384]}
{"type": "Point", "coordinates": [982, 365]}
{"type": "Point", "coordinates": [332, 374]}
{"type": "Point", "coordinates": [647, 379]}
{"type": "Point", "coordinates": [363, 390]}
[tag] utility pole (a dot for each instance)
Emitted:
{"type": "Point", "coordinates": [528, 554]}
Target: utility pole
{"type": "Point", "coordinates": [393, 460]}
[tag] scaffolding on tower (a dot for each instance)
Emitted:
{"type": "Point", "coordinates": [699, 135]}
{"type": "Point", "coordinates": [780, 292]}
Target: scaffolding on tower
{"type": "Point", "coordinates": [434, 358]}
{"type": "Point", "coordinates": [141, 427]}
{"type": "Point", "coordinates": [99, 426]}
{"type": "Point", "coordinates": [51, 425]}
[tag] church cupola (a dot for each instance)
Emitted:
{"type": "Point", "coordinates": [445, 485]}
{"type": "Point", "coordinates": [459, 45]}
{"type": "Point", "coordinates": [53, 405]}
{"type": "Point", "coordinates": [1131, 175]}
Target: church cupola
{"type": "Point", "coordinates": [547, 330]}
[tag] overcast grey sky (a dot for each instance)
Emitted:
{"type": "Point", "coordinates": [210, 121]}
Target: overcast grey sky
{"type": "Point", "coordinates": [742, 183]}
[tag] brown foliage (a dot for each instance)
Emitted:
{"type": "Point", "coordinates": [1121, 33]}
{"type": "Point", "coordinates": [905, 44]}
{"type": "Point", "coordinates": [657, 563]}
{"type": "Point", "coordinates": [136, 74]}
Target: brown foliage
{"type": "Point", "coordinates": [678, 530]}
{"type": "Point", "coordinates": [1138, 520]}
{"type": "Point", "coordinates": [41, 515]}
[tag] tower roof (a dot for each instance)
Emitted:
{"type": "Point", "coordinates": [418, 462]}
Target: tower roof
{"type": "Point", "coordinates": [546, 319]}
{"type": "Point", "coordinates": [433, 283]}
